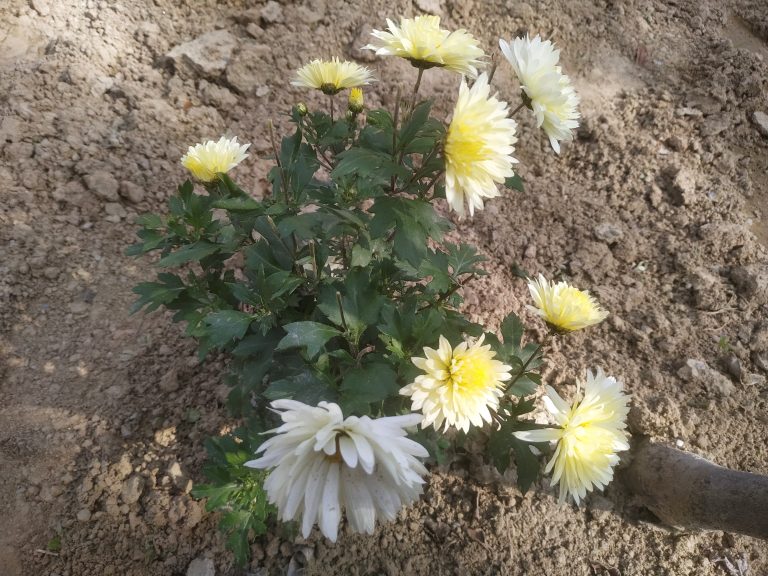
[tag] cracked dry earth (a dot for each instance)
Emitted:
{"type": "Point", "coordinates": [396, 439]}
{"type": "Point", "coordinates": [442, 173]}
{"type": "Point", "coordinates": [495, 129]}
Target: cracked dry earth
{"type": "Point", "coordinates": [659, 206]}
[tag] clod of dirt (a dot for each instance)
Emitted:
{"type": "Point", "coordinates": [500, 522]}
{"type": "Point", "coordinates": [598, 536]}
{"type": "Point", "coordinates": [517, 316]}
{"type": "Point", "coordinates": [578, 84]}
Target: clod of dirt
{"type": "Point", "coordinates": [761, 122]}
{"type": "Point", "coordinates": [608, 232]}
{"type": "Point", "coordinates": [201, 567]}
{"type": "Point", "coordinates": [430, 6]}
{"type": "Point", "coordinates": [207, 55]}
{"type": "Point", "coordinates": [103, 185]}
{"type": "Point", "coordinates": [131, 192]}
{"type": "Point", "coordinates": [132, 488]}
{"type": "Point", "coordinates": [272, 13]}
{"type": "Point", "coordinates": [699, 372]}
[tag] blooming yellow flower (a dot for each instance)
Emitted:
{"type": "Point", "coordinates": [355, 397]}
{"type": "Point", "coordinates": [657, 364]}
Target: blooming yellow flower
{"type": "Point", "coordinates": [590, 434]}
{"type": "Point", "coordinates": [421, 41]}
{"type": "Point", "coordinates": [478, 147]}
{"type": "Point", "coordinates": [461, 384]}
{"type": "Point", "coordinates": [332, 76]}
{"type": "Point", "coordinates": [207, 160]}
{"type": "Point", "coordinates": [553, 100]}
{"type": "Point", "coordinates": [356, 101]}
{"type": "Point", "coordinates": [564, 307]}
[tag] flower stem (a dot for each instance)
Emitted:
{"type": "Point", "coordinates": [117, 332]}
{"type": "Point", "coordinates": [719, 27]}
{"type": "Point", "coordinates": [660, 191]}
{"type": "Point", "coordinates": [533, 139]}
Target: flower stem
{"type": "Point", "coordinates": [331, 97]}
{"type": "Point", "coordinates": [516, 110]}
{"type": "Point", "coordinates": [527, 363]}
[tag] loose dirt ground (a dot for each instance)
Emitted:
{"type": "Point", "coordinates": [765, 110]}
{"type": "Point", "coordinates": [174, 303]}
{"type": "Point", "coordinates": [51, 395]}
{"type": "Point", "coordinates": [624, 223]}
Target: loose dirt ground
{"type": "Point", "coordinates": [659, 207]}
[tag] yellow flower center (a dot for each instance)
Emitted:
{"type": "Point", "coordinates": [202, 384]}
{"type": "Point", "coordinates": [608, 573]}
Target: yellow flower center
{"type": "Point", "coordinates": [463, 145]}
{"type": "Point", "coordinates": [471, 372]}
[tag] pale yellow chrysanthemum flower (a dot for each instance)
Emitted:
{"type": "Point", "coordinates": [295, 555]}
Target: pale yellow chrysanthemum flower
{"type": "Point", "coordinates": [356, 102]}
{"type": "Point", "coordinates": [332, 76]}
{"type": "Point", "coordinates": [590, 434]}
{"type": "Point", "coordinates": [549, 93]}
{"type": "Point", "coordinates": [564, 307]}
{"type": "Point", "coordinates": [461, 385]}
{"type": "Point", "coordinates": [478, 147]}
{"type": "Point", "coordinates": [424, 44]}
{"type": "Point", "coordinates": [210, 158]}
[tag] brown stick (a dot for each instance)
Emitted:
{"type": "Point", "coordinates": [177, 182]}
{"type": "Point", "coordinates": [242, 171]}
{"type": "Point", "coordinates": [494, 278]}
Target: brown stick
{"type": "Point", "coordinates": [686, 490]}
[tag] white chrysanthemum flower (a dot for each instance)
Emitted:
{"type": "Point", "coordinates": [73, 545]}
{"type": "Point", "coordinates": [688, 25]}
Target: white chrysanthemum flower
{"type": "Point", "coordinates": [564, 307]}
{"type": "Point", "coordinates": [478, 147]}
{"type": "Point", "coordinates": [590, 434]}
{"type": "Point", "coordinates": [322, 463]}
{"type": "Point", "coordinates": [460, 387]}
{"type": "Point", "coordinates": [211, 158]}
{"type": "Point", "coordinates": [552, 98]}
{"type": "Point", "coordinates": [332, 76]}
{"type": "Point", "coordinates": [424, 44]}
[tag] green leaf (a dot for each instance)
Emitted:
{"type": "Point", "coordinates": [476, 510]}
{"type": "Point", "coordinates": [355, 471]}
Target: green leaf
{"type": "Point", "coordinates": [374, 382]}
{"type": "Point", "coordinates": [371, 164]}
{"type": "Point", "coordinates": [303, 386]}
{"type": "Point", "coordinates": [189, 253]}
{"type": "Point", "coordinates": [360, 256]}
{"type": "Point", "coordinates": [527, 464]}
{"type": "Point", "coordinates": [238, 543]}
{"type": "Point", "coordinates": [436, 266]}
{"type": "Point", "coordinates": [227, 325]}
{"type": "Point", "coordinates": [360, 301]}
{"type": "Point", "coordinates": [413, 124]}
{"type": "Point", "coordinates": [525, 384]}
{"type": "Point", "coordinates": [54, 544]}
{"type": "Point", "coordinates": [515, 183]}
{"type": "Point", "coordinates": [154, 294]}
{"type": "Point", "coordinates": [512, 330]}
{"type": "Point", "coordinates": [217, 495]}
{"type": "Point", "coordinates": [239, 204]}
{"type": "Point", "coordinates": [150, 221]}
{"type": "Point", "coordinates": [462, 259]}
{"type": "Point", "coordinates": [309, 335]}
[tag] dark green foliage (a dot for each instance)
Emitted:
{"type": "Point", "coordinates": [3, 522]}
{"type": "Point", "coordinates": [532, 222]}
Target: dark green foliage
{"type": "Point", "coordinates": [323, 290]}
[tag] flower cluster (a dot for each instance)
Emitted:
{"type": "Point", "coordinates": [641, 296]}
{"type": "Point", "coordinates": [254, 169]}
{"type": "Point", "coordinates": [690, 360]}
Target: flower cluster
{"type": "Point", "coordinates": [333, 459]}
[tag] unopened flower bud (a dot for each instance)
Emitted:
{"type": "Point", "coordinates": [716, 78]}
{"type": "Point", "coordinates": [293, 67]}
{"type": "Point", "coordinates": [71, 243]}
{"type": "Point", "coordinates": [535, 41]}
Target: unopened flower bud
{"type": "Point", "coordinates": [355, 104]}
{"type": "Point", "coordinates": [301, 108]}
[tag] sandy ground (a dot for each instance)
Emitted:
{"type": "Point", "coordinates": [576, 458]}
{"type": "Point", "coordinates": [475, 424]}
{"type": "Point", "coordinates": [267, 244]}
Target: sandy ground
{"type": "Point", "coordinates": [659, 207]}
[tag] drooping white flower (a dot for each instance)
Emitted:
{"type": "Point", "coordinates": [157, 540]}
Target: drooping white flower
{"type": "Point", "coordinates": [590, 434]}
{"type": "Point", "coordinates": [478, 147]}
{"type": "Point", "coordinates": [424, 44]}
{"type": "Point", "coordinates": [322, 463]}
{"type": "Point", "coordinates": [206, 160]}
{"type": "Point", "coordinates": [460, 385]}
{"type": "Point", "coordinates": [332, 76]}
{"type": "Point", "coordinates": [553, 100]}
{"type": "Point", "coordinates": [563, 306]}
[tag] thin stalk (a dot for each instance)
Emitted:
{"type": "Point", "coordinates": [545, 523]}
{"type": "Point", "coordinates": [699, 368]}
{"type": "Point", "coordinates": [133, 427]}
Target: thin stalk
{"type": "Point", "coordinates": [516, 110]}
{"type": "Point", "coordinates": [283, 175]}
{"type": "Point", "coordinates": [341, 312]}
{"type": "Point", "coordinates": [445, 295]}
{"type": "Point", "coordinates": [527, 363]}
{"type": "Point", "coordinates": [331, 98]}
{"type": "Point", "coordinates": [415, 91]}
{"type": "Point", "coordinates": [395, 121]}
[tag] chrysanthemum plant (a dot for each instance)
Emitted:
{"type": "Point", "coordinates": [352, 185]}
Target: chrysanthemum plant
{"type": "Point", "coordinates": [337, 298]}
